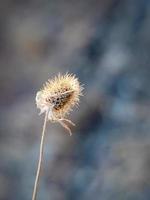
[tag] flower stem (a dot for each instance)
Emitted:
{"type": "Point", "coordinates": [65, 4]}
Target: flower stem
{"type": "Point", "coordinates": [40, 159]}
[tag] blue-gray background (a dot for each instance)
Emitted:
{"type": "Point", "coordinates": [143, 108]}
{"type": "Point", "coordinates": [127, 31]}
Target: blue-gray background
{"type": "Point", "coordinates": [106, 43]}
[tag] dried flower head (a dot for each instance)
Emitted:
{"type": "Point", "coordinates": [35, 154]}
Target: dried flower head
{"type": "Point", "coordinates": [58, 96]}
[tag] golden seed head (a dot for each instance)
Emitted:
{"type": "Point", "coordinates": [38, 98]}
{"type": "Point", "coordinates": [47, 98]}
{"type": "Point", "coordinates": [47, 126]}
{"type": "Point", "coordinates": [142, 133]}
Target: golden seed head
{"type": "Point", "coordinates": [59, 95]}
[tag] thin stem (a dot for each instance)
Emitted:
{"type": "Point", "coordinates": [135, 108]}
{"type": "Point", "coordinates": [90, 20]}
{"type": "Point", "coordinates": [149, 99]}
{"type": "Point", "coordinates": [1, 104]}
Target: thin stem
{"type": "Point", "coordinates": [40, 159]}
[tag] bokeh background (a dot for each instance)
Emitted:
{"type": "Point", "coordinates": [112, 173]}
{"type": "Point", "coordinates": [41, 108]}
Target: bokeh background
{"type": "Point", "coordinates": [106, 43]}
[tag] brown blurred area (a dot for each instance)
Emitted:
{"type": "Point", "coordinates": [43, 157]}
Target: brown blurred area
{"type": "Point", "coordinates": [106, 44]}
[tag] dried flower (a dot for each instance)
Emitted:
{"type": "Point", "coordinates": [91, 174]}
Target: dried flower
{"type": "Point", "coordinates": [58, 96]}
{"type": "Point", "coordinates": [56, 99]}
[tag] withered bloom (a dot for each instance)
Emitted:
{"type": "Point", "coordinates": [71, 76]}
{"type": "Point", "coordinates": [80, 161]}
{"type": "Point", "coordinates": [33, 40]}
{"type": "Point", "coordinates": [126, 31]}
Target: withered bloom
{"type": "Point", "coordinates": [58, 96]}
{"type": "Point", "coordinates": [56, 99]}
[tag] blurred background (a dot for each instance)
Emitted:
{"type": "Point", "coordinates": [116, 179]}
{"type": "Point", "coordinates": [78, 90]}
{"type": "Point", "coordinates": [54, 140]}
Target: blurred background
{"type": "Point", "coordinates": [106, 43]}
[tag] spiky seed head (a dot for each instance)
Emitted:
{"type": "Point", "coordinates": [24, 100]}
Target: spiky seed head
{"type": "Point", "coordinates": [59, 95]}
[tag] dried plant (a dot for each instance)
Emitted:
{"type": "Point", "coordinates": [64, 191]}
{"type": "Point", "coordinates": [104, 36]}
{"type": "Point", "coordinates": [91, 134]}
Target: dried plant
{"type": "Point", "coordinates": [56, 99]}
